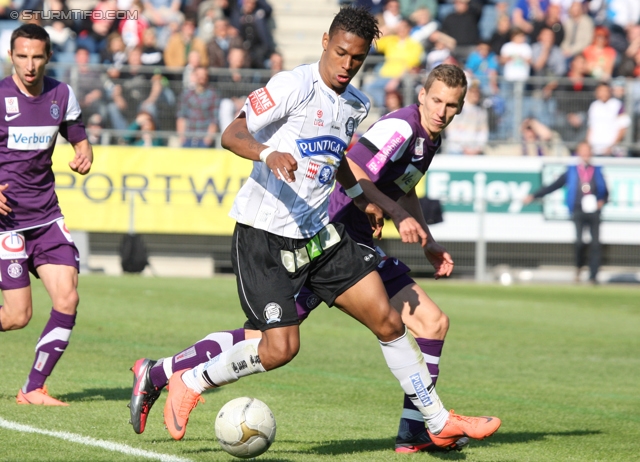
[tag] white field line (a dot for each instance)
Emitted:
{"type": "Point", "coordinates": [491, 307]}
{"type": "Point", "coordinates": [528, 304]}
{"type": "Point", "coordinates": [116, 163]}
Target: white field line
{"type": "Point", "coordinates": [109, 446]}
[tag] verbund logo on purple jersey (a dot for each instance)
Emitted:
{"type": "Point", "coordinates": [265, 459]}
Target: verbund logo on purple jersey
{"type": "Point", "coordinates": [382, 157]}
{"type": "Point", "coordinates": [322, 145]}
{"type": "Point", "coordinates": [32, 138]}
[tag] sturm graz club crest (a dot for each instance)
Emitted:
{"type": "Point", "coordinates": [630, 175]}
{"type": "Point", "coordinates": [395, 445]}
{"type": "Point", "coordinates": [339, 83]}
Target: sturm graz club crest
{"type": "Point", "coordinates": [272, 313]}
{"type": "Point", "coordinates": [54, 111]}
{"type": "Point", "coordinates": [350, 126]}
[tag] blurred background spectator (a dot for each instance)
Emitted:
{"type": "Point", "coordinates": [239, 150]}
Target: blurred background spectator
{"type": "Point", "coordinates": [402, 54]}
{"type": "Point", "coordinates": [579, 30]}
{"type": "Point", "coordinates": [607, 122]}
{"type": "Point", "coordinates": [198, 112]}
{"type": "Point", "coordinates": [599, 55]}
{"type": "Point", "coordinates": [468, 133]}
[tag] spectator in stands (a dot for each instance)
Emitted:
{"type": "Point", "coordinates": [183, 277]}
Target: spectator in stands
{"type": "Point", "coordinates": [491, 11]}
{"type": "Point", "coordinates": [391, 17]}
{"type": "Point", "coordinates": [579, 29]}
{"type": "Point", "coordinates": [462, 25]}
{"type": "Point", "coordinates": [164, 15]}
{"type": "Point", "coordinates": [181, 43]}
{"type": "Point", "coordinates": [516, 57]}
{"type": "Point", "coordinates": [408, 7]}
{"type": "Point", "coordinates": [539, 140]}
{"type": "Point", "coordinates": [425, 31]}
{"type": "Point", "coordinates": [151, 54]}
{"type": "Point", "coordinates": [238, 60]}
{"type": "Point", "coordinates": [573, 96]}
{"type": "Point", "coordinates": [276, 63]}
{"type": "Point", "coordinates": [194, 61]}
{"type": "Point", "coordinates": [501, 35]}
{"type": "Point", "coordinates": [586, 194]}
{"type": "Point", "coordinates": [550, 21]}
{"type": "Point", "coordinates": [233, 10]}
{"type": "Point", "coordinates": [468, 133]}
{"type": "Point", "coordinates": [61, 33]}
{"type": "Point", "coordinates": [229, 110]}
{"type": "Point", "coordinates": [87, 88]}
{"type": "Point", "coordinates": [133, 26]}
{"type": "Point", "coordinates": [526, 12]}
{"type": "Point", "coordinates": [600, 56]}
{"type": "Point", "coordinates": [607, 123]}
{"type": "Point", "coordinates": [624, 13]}
{"type": "Point", "coordinates": [628, 66]}
{"type": "Point", "coordinates": [483, 65]}
{"type": "Point", "coordinates": [102, 23]}
{"type": "Point", "coordinates": [218, 48]}
{"type": "Point", "coordinates": [392, 101]}
{"type": "Point", "coordinates": [402, 54]}
{"type": "Point", "coordinates": [95, 130]}
{"type": "Point", "coordinates": [144, 126]}
{"type": "Point", "coordinates": [198, 112]}
{"type": "Point", "coordinates": [255, 33]}
{"type": "Point", "coordinates": [133, 91]}
{"type": "Point", "coordinates": [115, 52]}
{"type": "Point", "coordinates": [547, 61]}
{"type": "Point", "coordinates": [208, 11]}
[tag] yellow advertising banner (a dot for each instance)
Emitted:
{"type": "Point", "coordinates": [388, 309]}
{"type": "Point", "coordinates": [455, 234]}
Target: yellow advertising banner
{"type": "Point", "coordinates": [151, 190]}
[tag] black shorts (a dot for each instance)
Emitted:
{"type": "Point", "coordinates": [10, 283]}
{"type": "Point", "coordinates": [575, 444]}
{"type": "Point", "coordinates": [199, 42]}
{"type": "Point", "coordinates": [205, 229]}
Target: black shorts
{"type": "Point", "coordinates": [270, 271]}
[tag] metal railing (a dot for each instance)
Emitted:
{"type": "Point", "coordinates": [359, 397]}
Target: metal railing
{"type": "Point", "coordinates": [507, 110]}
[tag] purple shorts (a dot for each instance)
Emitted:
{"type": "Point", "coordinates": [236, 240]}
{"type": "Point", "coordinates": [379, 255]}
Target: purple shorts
{"type": "Point", "coordinates": [22, 252]}
{"type": "Point", "coordinates": [392, 271]}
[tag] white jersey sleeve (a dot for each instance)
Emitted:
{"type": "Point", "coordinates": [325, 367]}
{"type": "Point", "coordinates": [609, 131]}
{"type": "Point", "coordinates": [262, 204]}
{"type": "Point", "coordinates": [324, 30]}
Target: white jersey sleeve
{"type": "Point", "coordinates": [275, 101]}
{"type": "Point", "coordinates": [73, 107]}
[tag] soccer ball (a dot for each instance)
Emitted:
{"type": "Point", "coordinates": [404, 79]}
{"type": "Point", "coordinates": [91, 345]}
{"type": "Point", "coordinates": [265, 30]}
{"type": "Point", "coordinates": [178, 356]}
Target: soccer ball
{"type": "Point", "coordinates": [245, 427]}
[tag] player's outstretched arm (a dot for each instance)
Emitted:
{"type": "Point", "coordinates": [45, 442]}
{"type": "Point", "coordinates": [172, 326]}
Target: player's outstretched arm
{"type": "Point", "coordinates": [237, 139]}
{"type": "Point", "coordinates": [435, 253]}
{"type": "Point", "coordinates": [83, 159]}
{"type": "Point", "coordinates": [4, 208]}
{"type": "Point", "coordinates": [345, 177]}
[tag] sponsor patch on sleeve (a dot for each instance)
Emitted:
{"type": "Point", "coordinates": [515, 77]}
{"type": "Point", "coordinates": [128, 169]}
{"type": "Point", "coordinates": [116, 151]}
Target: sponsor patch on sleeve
{"type": "Point", "coordinates": [388, 150]}
{"type": "Point", "coordinates": [261, 101]}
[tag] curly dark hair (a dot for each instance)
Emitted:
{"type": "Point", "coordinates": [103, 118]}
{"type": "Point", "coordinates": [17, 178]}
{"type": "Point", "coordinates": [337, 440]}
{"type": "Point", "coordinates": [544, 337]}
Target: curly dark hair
{"type": "Point", "coordinates": [449, 74]}
{"type": "Point", "coordinates": [358, 21]}
{"type": "Point", "coordinates": [33, 32]}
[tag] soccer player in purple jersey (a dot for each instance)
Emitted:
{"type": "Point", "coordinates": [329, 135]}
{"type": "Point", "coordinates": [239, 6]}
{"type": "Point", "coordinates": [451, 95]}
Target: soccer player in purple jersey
{"type": "Point", "coordinates": [388, 161]}
{"type": "Point", "coordinates": [33, 236]}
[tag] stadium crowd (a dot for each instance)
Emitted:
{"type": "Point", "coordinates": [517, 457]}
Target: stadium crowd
{"type": "Point", "coordinates": [536, 66]}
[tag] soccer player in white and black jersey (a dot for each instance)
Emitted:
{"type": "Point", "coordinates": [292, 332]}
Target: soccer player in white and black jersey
{"type": "Point", "coordinates": [33, 236]}
{"type": "Point", "coordinates": [296, 130]}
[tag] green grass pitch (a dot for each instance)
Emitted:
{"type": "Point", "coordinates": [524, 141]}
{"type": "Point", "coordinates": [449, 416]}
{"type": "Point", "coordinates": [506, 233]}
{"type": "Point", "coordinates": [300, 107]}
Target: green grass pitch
{"type": "Point", "coordinates": [559, 364]}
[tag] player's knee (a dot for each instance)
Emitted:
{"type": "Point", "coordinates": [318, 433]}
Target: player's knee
{"type": "Point", "coordinates": [279, 353]}
{"type": "Point", "coordinates": [433, 327]}
{"type": "Point", "coordinates": [390, 328]}
{"type": "Point", "coordinates": [68, 302]}
{"type": "Point", "coordinates": [16, 320]}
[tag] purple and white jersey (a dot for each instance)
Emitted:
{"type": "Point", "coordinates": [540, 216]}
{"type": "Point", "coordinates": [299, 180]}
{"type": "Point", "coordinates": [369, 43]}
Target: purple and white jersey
{"type": "Point", "coordinates": [395, 152]}
{"type": "Point", "coordinates": [27, 139]}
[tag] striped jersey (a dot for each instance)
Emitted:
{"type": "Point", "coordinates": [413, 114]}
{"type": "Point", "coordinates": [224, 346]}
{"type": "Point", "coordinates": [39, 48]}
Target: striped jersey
{"type": "Point", "coordinates": [296, 112]}
{"type": "Point", "coordinates": [27, 138]}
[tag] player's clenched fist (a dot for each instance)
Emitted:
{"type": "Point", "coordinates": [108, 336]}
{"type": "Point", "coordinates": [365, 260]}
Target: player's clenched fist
{"type": "Point", "coordinates": [282, 164]}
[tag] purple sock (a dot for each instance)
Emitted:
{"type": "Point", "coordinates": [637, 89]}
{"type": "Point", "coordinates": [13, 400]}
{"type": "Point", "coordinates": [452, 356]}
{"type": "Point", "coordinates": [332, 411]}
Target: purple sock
{"type": "Point", "coordinates": [51, 344]}
{"type": "Point", "coordinates": [204, 350]}
{"type": "Point", "coordinates": [412, 422]}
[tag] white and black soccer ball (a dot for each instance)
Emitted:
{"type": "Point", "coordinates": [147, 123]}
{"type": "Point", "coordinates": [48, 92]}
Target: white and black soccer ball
{"type": "Point", "coordinates": [245, 427]}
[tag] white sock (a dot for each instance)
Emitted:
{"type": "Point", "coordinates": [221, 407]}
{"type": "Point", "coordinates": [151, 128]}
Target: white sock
{"type": "Point", "coordinates": [238, 361]}
{"type": "Point", "coordinates": [406, 362]}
